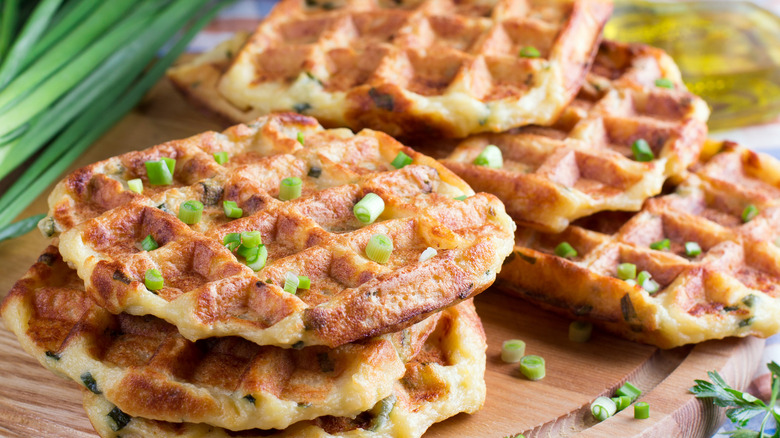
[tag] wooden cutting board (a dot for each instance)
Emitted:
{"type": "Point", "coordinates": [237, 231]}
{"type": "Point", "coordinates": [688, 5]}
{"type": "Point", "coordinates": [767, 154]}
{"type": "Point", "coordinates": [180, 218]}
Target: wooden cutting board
{"type": "Point", "coordinates": [34, 402]}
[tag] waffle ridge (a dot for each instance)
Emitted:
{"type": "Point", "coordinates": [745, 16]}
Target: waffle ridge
{"type": "Point", "coordinates": [583, 164]}
{"type": "Point", "coordinates": [143, 366]}
{"type": "Point", "coordinates": [211, 292]}
{"type": "Point", "coordinates": [731, 289]}
{"type": "Point", "coordinates": [409, 68]}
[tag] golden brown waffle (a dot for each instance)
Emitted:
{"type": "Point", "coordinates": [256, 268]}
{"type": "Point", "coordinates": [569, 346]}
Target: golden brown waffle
{"type": "Point", "coordinates": [407, 67]}
{"type": "Point", "coordinates": [731, 289]}
{"type": "Point", "coordinates": [146, 368]}
{"type": "Point", "coordinates": [445, 378]}
{"type": "Point", "coordinates": [211, 292]}
{"type": "Point", "coordinates": [584, 163]}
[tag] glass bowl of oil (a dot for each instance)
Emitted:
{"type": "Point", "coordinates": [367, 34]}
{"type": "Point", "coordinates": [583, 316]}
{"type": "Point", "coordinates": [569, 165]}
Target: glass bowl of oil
{"type": "Point", "coordinates": [728, 52]}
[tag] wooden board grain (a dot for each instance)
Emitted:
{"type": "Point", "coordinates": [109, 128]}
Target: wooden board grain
{"type": "Point", "coordinates": [34, 402]}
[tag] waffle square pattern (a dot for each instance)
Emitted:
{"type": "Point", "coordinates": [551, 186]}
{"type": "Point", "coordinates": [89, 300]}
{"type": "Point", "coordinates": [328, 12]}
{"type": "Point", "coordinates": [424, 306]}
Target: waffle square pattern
{"type": "Point", "coordinates": [209, 289]}
{"type": "Point", "coordinates": [409, 67]}
{"type": "Point", "coordinates": [697, 264]}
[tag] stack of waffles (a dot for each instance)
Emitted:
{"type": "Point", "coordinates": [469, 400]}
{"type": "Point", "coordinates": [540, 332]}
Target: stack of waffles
{"type": "Point", "coordinates": [611, 165]}
{"type": "Point", "coordinates": [369, 348]}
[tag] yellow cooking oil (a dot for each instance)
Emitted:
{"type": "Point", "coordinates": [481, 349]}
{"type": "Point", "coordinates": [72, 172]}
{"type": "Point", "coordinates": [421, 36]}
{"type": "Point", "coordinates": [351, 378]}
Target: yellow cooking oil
{"type": "Point", "coordinates": [728, 52]}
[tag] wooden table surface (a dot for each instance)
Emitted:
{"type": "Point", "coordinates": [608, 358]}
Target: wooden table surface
{"type": "Point", "coordinates": [34, 402]}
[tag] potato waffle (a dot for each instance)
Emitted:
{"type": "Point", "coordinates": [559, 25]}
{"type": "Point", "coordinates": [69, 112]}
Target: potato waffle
{"type": "Point", "coordinates": [584, 164]}
{"type": "Point", "coordinates": [445, 378]}
{"type": "Point", "coordinates": [408, 67]}
{"type": "Point", "coordinates": [210, 292]}
{"type": "Point", "coordinates": [146, 368]}
{"type": "Point", "coordinates": [729, 206]}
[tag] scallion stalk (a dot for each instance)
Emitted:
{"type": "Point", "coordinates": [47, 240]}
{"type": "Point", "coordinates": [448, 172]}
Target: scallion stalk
{"type": "Point", "coordinates": [369, 208]}
{"type": "Point", "coordinates": [533, 367]}
{"type": "Point", "coordinates": [512, 350]}
{"type": "Point", "coordinates": [379, 248]}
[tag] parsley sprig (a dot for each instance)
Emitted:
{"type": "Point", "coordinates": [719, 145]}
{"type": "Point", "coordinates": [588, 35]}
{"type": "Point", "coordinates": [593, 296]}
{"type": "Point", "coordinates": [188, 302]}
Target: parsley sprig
{"type": "Point", "coordinates": [742, 406]}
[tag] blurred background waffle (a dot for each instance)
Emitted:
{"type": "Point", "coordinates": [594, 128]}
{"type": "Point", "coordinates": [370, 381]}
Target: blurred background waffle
{"type": "Point", "coordinates": [408, 68]}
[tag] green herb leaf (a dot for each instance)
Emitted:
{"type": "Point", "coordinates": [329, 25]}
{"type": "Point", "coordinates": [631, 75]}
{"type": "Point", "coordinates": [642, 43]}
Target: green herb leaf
{"type": "Point", "coordinates": [20, 228]}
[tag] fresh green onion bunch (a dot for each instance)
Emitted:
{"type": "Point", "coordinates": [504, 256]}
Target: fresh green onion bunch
{"type": "Point", "coordinates": [69, 70]}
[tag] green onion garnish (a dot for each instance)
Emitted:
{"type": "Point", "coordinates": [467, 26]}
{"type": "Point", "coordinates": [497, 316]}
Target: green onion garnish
{"type": "Point", "coordinates": [642, 410]}
{"type": "Point", "coordinates": [626, 271]}
{"type": "Point", "coordinates": [642, 277]}
{"type": "Point", "coordinates": [153, 280]}
{"type": "Point", "coordinates": [257, 261]}
{"type": "Point", "coordinates": [290, 188]}
{"type": "Point", "coordinates": [190, 211]}
{"type": "Point", "coordinates": [149, 244]}
{"type": "Point", "coordinates": [642, 151]}
{"type": "Point", "coordinates": [159, 173]}
{"type": "Point", "coordinates": [512, 351]}
{"type": "Point", "coordinates": [427, 254]}
{"type": "Point", "coordinates": [661, 245]}
{"type": "Point", "coordinates": [251, 238]}
{"type": "Point", "coordinates": [530, 52]}
{"type": "Point", "coordinates": [603, 408]}
{"type": "Point", "coordinates": [401, 160]}
{"type": "Point", "coordinates": [232, 241]}
{"type": "Point", "coordinates": [631, 282]}
{"type": "Point", "coordinates": [232, 210]}
{"type": "Point", "coordinates": [247, 252]}
{"type": "Point", "coordinates": [580, 331]}
{"type": "Point", "coordinates": [304, 282]}
{"type": "Point", "coordinates": [532, 367]}
{"type": "Point", "coordinates": [461, 198]}
{"type": "Point", "coordinates": [628, 389]}
{"type": "Point", "coordinates": [136, 185]}
{"type": "Point", "coordinates": [664, 83]}
{"type": "Point", "coordinates": [621, 402]}
{"type": "Point", "coordinates": [692, 249]}
{"type": "Point", "coordinates": [169, 162]}
{"type": "Point", "coordinates": [369, 208]}
{"type": "Point", "coordinates": [565, 250]}
{"type": "Point", "coordinates": [221, 157]}
{"type": "Point", "coordinates": [651, 286]}
{"type": "Point", "coordinates": [749, 213]}
{"type": "Point", "coordinates": [300, 138]}
{"type": "Point", "coordinates": [490, 157]}
{"type": "Point", "coordinates": [290, 282]}
{"type": "Point", "coordinates": [379, 248]}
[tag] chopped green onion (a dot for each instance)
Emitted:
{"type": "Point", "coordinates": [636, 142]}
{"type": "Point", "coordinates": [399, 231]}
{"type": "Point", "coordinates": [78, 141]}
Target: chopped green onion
{"type": "Point", "coordinates": [661, 245]}
{"type": "Point", "coordinates": [170, 163]}
{"type": "Point", "coordinates": [603, 408]}
{"type": "Point", "coordinates": [749, 213]}
{"type": "Point", "coordinates": [232, 241]}
{"type": "Point", "coordinates": [153, 280]}
{"type": "Point", "coordinates": [642, 277]}
{"type": "Point", "coordinates": [631, 282]}
{"type": "Point", "coordinates": [651, 286]}
{"type": "Point", "coordinates": [628, 389]}
{"type": "Point", "coordinates": [580, 331]}
{"type": "Point", "coordinates": [490, 157]}
{"type": "Point", "coordinates": [401, 160]}
{"type": "Point", "coordinates": [247, 252]}
{"type": "Point", "coordinates": [290, 188]}
{"type": "Point", "coordinates": [257, 261]}
{"type": "Point", "coordinates": [642, 151]}
{"type": "Point", "coordinates": [532, 367]}
{"type": "Point", "coordinates": [159, 173]}
{"type": "Point", "coordinates": [190, 211]}
{"type": "Point", "coordinates": [301, 139]}
{"type": "Point", "coordinates": [692, 249]}
{"type": "Point", "coordinates": [512, 351]}
{"type": "Point", "coordinates": [461, 198]}
{"type": "Point", "coordinates": [530, 52]}
{"type": "Point", "coordinates": [251, 238]}
{"type": "Point", "coordinates": [565, 250]}
{"type": "Point", "coordinates": [369, 208]}
{"type": "Point", "coordinates": [149, 244]}
{"type": "Point", "coordinates": [427, 254]}
{"type": "Point", "coordinates": [379, 248]}
{"type": "Point", "coordinates": [621, 402]}
{"type": "Point", "coordinates": [290, 282]}
{"type": "Point", "coordinates": [221, 157]}
{"type": "Point", "coordinates": [626, 271]}
{"type": "Point", "coordinates": [232, 210]}
{"type": "Point", "coordinates": [136, 185]}
{"type": "Point", "coordinates": [304, 282]}
{"type": "Point", "coordinates": [664, 83]}
{"type": "Point", "coordinates": [642, 410]}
